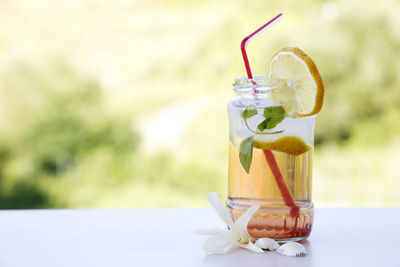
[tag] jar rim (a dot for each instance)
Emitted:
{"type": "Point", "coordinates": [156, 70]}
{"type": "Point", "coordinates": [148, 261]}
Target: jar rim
{"type": "Point", "coordinates": [258, 84]}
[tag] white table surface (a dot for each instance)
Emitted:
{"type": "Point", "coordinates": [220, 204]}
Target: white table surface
{"type": "Point", "coordinates": [164, 237]}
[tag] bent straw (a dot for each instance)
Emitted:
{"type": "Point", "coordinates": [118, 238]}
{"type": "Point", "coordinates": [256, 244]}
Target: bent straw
{"type": "Point", "coordinates": [269, 156]}
{"type": "Point", "coordinates": [250, 37]}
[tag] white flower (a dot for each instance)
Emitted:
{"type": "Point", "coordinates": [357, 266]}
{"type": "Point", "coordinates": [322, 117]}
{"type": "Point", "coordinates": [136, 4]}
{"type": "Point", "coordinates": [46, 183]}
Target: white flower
{"type": "Point", "coordinates": [221, 241]}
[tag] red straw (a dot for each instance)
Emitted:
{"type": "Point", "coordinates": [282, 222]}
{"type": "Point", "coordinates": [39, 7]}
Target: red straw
{"type": "Point", "coordinates": [251, 37]}
{"type": "Point", "coordinates": [286, 195]}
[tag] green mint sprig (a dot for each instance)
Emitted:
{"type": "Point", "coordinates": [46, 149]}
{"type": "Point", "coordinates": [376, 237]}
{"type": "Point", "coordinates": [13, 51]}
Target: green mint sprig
{"type": "Point", "coordinates": [249, 112]}
{"type": "Point", "coordinates": [272, 117]}
{"type": "Point", "coordinates": [246, 153]}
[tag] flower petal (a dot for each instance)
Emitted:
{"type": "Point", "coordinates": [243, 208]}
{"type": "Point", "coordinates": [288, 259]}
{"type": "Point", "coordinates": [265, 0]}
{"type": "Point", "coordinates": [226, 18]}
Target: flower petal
{"type": "Point", "coordinates": [244, 219]}
{"type": "Point", "coordinates": [221, 210]}
{"type": "Point", "coordinates": [213, 232]}
{"type": "Point", "coordinates": [250, 246]}
{"type": "Point", "coordinates": [217, 245]}
{"type": "Point", "coordinates": [239, 229]}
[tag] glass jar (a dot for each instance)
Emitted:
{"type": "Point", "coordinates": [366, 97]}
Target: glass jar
{"type": "Point", "coordinates": [270, 165]}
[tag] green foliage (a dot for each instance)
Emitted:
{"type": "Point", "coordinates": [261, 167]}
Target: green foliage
{"type": "Point", "coordinates": [67, 128]}
{"type": "Point", "coordinates": [66, 137]}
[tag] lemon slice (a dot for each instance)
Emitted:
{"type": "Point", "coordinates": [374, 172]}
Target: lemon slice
{"type": "Point", "coordinates": [288, 144]}
{"type": "Point", "coordinates": [304, 93]}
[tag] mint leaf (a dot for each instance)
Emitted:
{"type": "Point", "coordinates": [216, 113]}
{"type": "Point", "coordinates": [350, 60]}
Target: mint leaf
{"type": "Point", "coordinates": [246, 153]}
{"type": "Point", "coordinates": [273, 116]}
{"type": "Point", "coordinates": [249, 112]}
{"type": "Point", "coordinates": [263, 125]}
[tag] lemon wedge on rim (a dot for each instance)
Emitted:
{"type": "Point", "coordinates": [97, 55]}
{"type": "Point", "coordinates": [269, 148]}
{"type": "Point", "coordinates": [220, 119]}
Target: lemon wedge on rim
{"type": "Point", "coordinates": [303, 94]}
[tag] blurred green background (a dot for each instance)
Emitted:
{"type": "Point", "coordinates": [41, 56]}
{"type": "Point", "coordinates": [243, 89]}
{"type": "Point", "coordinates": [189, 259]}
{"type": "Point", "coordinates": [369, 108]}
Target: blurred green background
{"type": "Point", "coordinates": [118, 104]}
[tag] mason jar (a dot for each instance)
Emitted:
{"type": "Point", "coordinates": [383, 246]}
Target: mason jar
{"type": "Point", "coordinates": [270, 160]}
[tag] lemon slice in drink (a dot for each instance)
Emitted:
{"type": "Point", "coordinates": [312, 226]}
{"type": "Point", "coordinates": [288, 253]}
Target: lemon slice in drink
{"type": "Point", "coordinates": [304, 93]}
{"type": "Point", "coordinates": [288, 144]}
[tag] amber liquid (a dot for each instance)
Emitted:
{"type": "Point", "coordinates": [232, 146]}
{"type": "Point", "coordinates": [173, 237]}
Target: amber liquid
{"type": "Point", "coordinates": [259, 186]}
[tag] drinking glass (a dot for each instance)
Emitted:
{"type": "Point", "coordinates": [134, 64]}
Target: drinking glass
{"type": "Point", "coordinates": [293, 160]}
